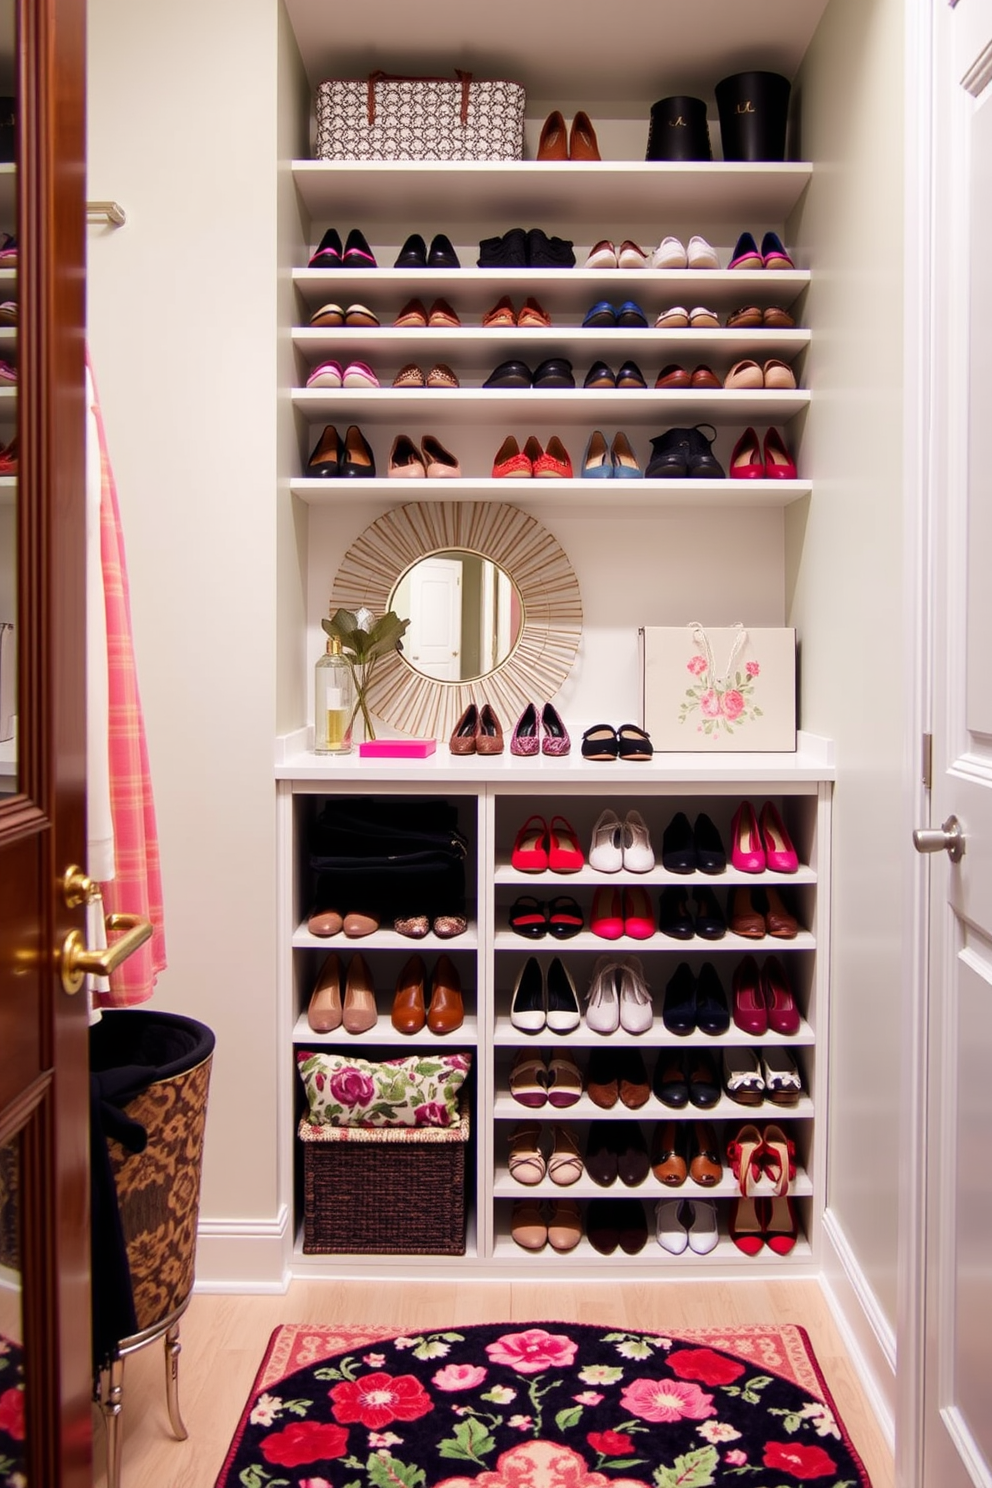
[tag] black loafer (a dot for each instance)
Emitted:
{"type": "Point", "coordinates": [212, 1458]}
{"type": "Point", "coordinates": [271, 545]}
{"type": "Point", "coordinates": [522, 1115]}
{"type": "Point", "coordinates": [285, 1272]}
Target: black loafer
{"type": "Point", "coordinates": [442, 255]}
{"type": "Point", "coordinates": [413, 254]}
{"type": "Point", "coordinates": [674, 919]}
{"type": "Point", "coordinates": [710, 854]}
{"type": "Point", "coordinates": [678, 850]}
{"type": "Point", "coordinates": [704, 1083]}
{"type": "Point", "coordinates": [358, 460]}
{"type": "Point", "coordinates": [602, 1145]}
{"type": "Point", "coordinates": [669, 1083]}
{"type": "Point", "coordinates": [632, 1155]}
{"type": "Point", "coordinates": [506, 252]}
{"type": "Point", "coordinates": [702, 463]}
{"type": "Point", "coordinates": [710, 921]}
{"type": "Point", "coordinates": [712, 1012]}
{"type": "Point", "coordinates": [509, 375]}
{"type": "Point", "coordinates": [357, 253]}
{"type": "Point", "coordinates": [630, 376]}
{"type": "Point", "coordinates": [548, 253]}
{"type": "Point", "coordinates": [678, 1011]}
{"type": "Point", "coordinates": [328, 254]}
{"type": "Point", "coordinates": [599, 376]}
{"type": "Point", "coordinates": [670, 455]}
{"type": "Point", "coordinates": [555, 372]}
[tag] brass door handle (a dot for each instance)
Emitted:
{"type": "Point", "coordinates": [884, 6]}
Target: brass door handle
{"type": "Point", "coordinates": [78, 961]}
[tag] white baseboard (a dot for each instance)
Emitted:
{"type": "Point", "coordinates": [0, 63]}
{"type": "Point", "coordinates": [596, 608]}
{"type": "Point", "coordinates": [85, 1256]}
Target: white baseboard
{"type": "Point", "coordinates": [243, 1255]}
{"type": "Point", "coordinates": [868, 1336]}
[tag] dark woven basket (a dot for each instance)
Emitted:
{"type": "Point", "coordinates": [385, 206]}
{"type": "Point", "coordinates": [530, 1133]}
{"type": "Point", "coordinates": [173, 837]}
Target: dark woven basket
{"type": "Point", "coordinates": [390, 1190]}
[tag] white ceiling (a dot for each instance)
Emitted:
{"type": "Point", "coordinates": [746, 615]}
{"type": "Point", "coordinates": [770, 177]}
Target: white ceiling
{"type": "Point", "coordinates": [572, 49]}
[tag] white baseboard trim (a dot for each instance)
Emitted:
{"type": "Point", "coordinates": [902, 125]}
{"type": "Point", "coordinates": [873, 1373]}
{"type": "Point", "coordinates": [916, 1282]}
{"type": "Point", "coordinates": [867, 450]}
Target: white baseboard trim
{"type": "Point", "coordinates": [243, 1255]}
{"type": "Point", "coordinates": [868, 1336]}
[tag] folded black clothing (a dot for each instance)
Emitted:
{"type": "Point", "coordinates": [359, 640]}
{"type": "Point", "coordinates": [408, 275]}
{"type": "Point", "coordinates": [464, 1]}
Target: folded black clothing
{"type": "Point", "coordinates": [506, 252]}
{"type": "Point", "coordinates": [548, 253]}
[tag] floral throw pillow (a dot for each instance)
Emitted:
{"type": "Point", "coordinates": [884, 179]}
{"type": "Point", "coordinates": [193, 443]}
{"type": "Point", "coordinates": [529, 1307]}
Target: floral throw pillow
{"type": "Point", "coordinates": [421, 1090]}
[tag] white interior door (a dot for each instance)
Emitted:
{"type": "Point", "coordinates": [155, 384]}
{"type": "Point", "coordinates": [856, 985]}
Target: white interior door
{"type": "Point", "coordinates": [958, 1361]}
{"type": "Point", "coordinates": [435, 646]}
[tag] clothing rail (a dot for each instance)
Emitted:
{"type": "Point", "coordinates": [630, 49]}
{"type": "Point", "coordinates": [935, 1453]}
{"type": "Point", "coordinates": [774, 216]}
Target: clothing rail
{"type": "Point", "coordinates": [111, 210]}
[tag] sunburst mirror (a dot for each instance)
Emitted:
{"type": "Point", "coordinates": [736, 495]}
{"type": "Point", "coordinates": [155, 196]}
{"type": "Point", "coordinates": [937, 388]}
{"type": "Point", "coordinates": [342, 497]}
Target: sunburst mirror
{"type": "Point", "coordinates": [494, 608]}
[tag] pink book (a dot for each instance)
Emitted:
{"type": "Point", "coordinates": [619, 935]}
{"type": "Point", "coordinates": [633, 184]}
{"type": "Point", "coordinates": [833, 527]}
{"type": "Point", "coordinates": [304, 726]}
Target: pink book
{"type": "Point", "coordinates": [397, 748]}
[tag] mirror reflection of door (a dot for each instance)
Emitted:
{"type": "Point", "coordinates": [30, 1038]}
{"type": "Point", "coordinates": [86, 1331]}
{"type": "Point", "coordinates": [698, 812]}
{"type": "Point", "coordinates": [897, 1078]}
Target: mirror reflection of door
{"type": "Point", "coordinates": [465, 615]}
{"type": "Point", "coordinates": [435, 613]}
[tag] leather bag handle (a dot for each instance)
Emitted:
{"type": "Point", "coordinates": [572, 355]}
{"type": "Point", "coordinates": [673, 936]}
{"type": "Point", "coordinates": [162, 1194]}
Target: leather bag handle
{"type": "Point", "coordinates": [465, 78]}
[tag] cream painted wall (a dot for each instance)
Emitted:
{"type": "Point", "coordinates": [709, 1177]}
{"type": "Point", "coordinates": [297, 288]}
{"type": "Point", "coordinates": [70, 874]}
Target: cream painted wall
{"type": "Point", "coordinates": [846, 592]}
{"type": "Point", "coordinates": [182, 325]}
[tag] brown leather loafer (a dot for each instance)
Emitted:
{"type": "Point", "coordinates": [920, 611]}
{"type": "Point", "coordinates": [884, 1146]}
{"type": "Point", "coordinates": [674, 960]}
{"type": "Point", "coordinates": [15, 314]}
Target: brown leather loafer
{"type": "Point", "coordinates": [602, 1079]}
{"type": "Point", "coordinates": [672, 376]}
{"type": "Point", "coordinates": [553, 144]}
{"type": "Point", "coordinates": [746, 318]}
{"type": "Point", "coordinates": [705, 1166]}
{"type": "Point", "coordinates": [778, 921]}
{"type": "Point", "coordinates": [582, 144]}
{"type": "Point", "coordinates": [635, 1088]}
{"type": "Point", "coordinates": [744, 918]}
{"type": "Point", "coordinates": [704, 377]}
{"type": "Point", "coordinates": [668, 1153]}
{"type": "Point", "coordinates": [447, 1011]}
{"type": "Point", "coordinates": [409, 1013]}
{"type": "Point", "coordinates": [324, 1012]}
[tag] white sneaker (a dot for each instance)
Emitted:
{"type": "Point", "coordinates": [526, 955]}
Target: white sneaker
{"type": "Point", "coordinates": [672, 1234]}
{"type": "Point", "coordinates": [638, 854]}
{"type": "Point", "coordinates": [701, 255]}
{"type": "Point", "coordinates": [703, 1234]}
{"type": "Point", "coordinates": [606, 848]}
{"type": "Point", "coordinates": [603, 1011]}
{"type": "Point", "coordinates": [636, 1009]}
{"type": "Point", "coordinates": [669, 254]}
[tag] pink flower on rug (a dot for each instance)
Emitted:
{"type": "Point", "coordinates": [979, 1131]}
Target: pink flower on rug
{"type": "Point", "coordinates": [705, 1365]}
{"type": "Point", "coordinates": [315, 1483]}
{"type": "Point", "coordinates": [588, 1397]}
{"type": "Point", "coordinates": [709, 702]}
{"type": "Point", "coordinates": [733, 703]}
{"type": "Point", "coordinates": [802, 1462]}
{"type": "Point", "coordinates": [459, 1377]}
{"type": "Point", "coordinates": [432, 1113]}
{"type": "Point", "coordinates": [611, 1443]}
{"type": "Point", "coordinates": [303, 1441]}
{"type": "Point", "coordinates": [351, 1087]}
{"type": "Point", "coordinates": [532, 1351]}
{"type": "Point", "coordinates": [696, 665]}
{"type": "Point", "coordinates": [541, 1464]}
{"type": "Point", "coordinates": [12, 1412]}
{"type": "Point", "coordinates": [736, 1458]}
{"type": "Point", "coordinates": [666, 1400]}
{"type": "Point", "coordinates": [377, 1399]}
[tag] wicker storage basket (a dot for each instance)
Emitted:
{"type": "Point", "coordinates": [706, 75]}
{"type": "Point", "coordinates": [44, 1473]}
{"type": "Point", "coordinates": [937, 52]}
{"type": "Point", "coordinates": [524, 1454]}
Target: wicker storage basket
{"type": "Point", "coordinates": [387, 1190]}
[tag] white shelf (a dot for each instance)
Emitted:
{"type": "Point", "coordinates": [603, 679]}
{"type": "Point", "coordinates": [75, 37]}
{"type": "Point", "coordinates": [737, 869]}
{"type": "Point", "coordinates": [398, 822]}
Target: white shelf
{"type": "Point", "coordinates": [659, 877]}
{"type": "Point", "coordinates": [385, 1033]}
{"type": "Point", "coordinates": [568, 292]}
{"type": "Point", "coordinates": [632, 406]}
{"type": "Point", "coordinates": [386, 940]}
{"type": "Point", "coordinates": [505, 1187]}
{"type": "Point", "coordinates": [8, 490]}
{"type": "Point", "coordinates": [396, 190]}
{"type": "Point", "coordinates": [566, 493]}
{"type": "Point", "coordinates": [658, 1037]}
{"type": "Point", "coordinates": [626, 945]}
{"type": "Point", "coordinates": [650, 1258]}
{"type": "Point", "coordinates": [405, 344]}
{"type": "Point", "coordinates": [505, 1108]}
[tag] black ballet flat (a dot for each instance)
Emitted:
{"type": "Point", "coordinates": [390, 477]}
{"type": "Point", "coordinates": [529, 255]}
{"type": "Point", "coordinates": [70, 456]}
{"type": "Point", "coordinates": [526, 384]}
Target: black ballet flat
{"type": "Point", "coordinates": [600, 742]}
{"type": "Point", "coordinates": [564, 917]}
{"type": "Point", "coordinates": [633, 743]}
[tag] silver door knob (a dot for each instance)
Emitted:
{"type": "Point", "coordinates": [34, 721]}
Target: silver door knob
{"type": "Point", "coordinates": [949, 838]}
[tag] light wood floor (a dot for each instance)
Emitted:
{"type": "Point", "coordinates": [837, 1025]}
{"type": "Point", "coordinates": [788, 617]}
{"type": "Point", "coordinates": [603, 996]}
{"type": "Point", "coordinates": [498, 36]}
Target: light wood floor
{"type": "Point", "coordinates": [224, 1339]}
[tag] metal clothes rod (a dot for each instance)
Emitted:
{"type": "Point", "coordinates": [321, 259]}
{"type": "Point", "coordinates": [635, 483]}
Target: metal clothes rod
{"type": "Point", "coordinates": [111, 210]}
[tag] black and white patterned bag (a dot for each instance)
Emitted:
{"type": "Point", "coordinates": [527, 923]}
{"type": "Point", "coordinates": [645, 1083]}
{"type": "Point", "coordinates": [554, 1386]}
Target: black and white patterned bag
{"type": "Point", "coordinates": [385, 117]}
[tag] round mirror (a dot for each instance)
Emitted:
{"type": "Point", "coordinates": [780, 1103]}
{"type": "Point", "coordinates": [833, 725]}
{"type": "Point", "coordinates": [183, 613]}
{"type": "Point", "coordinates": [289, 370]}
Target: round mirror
{"type": "Point", "coordinates": [465, 614]}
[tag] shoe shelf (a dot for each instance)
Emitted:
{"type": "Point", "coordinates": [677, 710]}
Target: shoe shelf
{"type": "Point", "coordinates": [507, 1036]}
{"type": "Point", "coordinates": [505, 1108]}
{"type": "Point", "coordinates": [383, 1033]}
{"type": "Point", "coordinates": [386, 940]}
{"type": "Point", "coordinates": [567, 292]}
{"type": "Point", "coordinates": [507, 1187]}
{"type": "Point", "coordinates": [630, 406]}
{"type": "Point", "coordinates": [659, 877]}
{"type": "Point", "coordinates": [404, 344]}
{"type": "Point", "coordinates": [652, 1258]}
{"type": "Point", "coordinates": [709, 193]}
{"type": "Point", "coordinates": [626, 945]}
{"type": "Point", "coordinates": [567, 493]}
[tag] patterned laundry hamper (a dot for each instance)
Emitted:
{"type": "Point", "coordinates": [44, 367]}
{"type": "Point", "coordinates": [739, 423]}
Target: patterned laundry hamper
{"type": "Point", "coordinates": [387, 117]}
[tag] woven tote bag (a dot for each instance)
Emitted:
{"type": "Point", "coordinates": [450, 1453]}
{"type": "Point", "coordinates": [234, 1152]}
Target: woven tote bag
{"type": "Point", "coordinates": [385, 117]}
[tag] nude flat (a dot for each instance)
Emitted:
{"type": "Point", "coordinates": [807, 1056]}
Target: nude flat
{"type": "Point", "coordinates": [324, 1012]}
{"type": "Point", "coordinates": [360, 1012]}
{"type": "Point", "coordinates": [745, 374]}
{"type": "Point", "coordinates": [526, 1161]}
{"type": "Point", "coordinates": [779, 374]}
{"type": "Point", "coordinates": [565, 1162]}
{"type": "Point", "coordinates": [564, 1225]}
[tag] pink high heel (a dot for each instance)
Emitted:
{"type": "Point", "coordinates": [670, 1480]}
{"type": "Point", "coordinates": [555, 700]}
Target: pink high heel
{"type": "Point", "coordinates": [606, 919]}
{"type": "Point", "coordinates": [780, 855]}
{"type": "Point", "coordinates": [746, 462]}
{"type": "Point", "coordinates": [638, 916]}
{"type": "Point", "coordinates": [779, 464]}
{"type": "Point", "coordinates": [747, 853]}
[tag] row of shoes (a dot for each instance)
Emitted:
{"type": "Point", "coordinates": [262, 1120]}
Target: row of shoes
{"type": "Point", "coordinates": [479, 731]}
{"type": "Point", "coordinates": [557, 142]}
{"type": "Point", "coordinates": [680, 1225]}
{"type": "Point", "coordinates": [356, 253]}
{"type": "Point", "coordinates": [757, 840]}
{"type": "Point", "coordinates": [553, 372]}
{"type": "Point", "coordinates": [346, 999]}
{"type": "Point", "coordinates": [618, 996]}
{"type": "Point", "coordinates": [326, 923]}
{"type": "Point", "coordinates": [697, 254]}
{"type": "Point", "coordinates": [754, 913]}
{"type": "Point", "coordinates": [603, 315]}
{"type": "Point", "coordinates": [619, 1074]}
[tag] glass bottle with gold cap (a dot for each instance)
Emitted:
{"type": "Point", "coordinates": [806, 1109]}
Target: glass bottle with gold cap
{"type": "Point", "coordinates": [334, 702]}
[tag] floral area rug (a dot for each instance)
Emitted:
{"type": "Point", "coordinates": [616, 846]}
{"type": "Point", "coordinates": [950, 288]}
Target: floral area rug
{"type": "Point", "coordinates": [11, 1414]}
{"type": "Point", "coordinates": [541, 1405]}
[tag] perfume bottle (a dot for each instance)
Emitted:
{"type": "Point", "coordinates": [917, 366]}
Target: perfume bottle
{"type": "Point", "coordinates": [334, 702]}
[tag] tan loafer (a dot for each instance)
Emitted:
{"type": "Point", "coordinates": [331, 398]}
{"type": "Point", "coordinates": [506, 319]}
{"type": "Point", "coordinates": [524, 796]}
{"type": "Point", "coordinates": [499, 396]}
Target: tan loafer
{"type": "Point", "coordinates": [746, 318]}
{"type": "Point", "coordinates": [777, 318]}
{"type": "Point", "coordinates": [564, 1225]}
{"type": "Point", "coordinates": [324, 1012]}
{"type": "Point", "coordinates": [528, 1225]}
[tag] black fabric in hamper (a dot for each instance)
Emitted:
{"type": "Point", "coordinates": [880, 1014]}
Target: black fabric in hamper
{"type": "Point", "coordinates": [389, 857]}
{"type": "Point", "coordinates": [391, 1190]}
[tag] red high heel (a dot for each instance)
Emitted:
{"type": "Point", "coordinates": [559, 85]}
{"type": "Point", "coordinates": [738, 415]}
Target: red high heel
{"type": "Point", "coordinates": [746, 462]}
{"type": "Point", "coordinates": [780, 1227]}
{"type": "Point", "coordinates": [779, 464]}
{"type": "Point", "coordinates": [746, 1225]}
{"type": "Point", "coordinates": [638, 916]}
{"type": "Point", "coordinates": [564, 853]}
{"type": "Point", "coordinates": [780, 855]}
{"type": "Point", "coordinates": [606, 919]}
{"type": "Point", "coordinates": [744, 1156]}
{"type": "Point", "coordinates": [776, 994]}
{"type": "Point", "coordinates": [778, 1158]}
{"type": "Point", "coordinates": [530, 851]}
